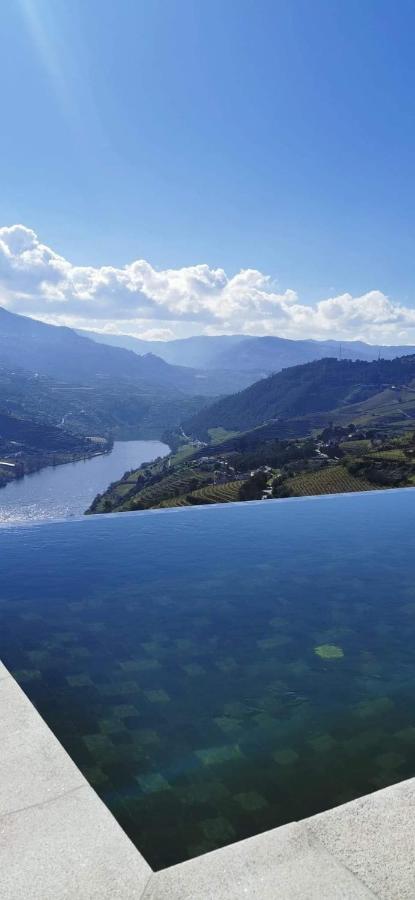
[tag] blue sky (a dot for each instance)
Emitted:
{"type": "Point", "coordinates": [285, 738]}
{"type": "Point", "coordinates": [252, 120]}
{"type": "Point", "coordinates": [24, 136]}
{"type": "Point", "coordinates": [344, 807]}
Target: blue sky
{"type": "Point", "coordinates": [271, 136]}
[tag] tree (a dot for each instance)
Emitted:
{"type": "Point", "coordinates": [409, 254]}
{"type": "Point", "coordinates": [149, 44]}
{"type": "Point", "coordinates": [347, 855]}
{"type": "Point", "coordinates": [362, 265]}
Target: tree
{"type": "Point", "coordinates": [252, 488]}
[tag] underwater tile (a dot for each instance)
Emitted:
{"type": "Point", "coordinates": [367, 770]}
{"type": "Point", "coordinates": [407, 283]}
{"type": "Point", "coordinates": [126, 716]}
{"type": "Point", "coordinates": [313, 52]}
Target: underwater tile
{"type": "Point", "coordinates": [384, 629]}
{"type": "Point", "coordinates": [371, 667]}
{"type": "Point", "coordinates": [361, 742]}
{"type": "Point", "coordinates": [130, 665]}
{"type": "Point", "coordinates": [117, 688]}
{"type": "Point", "coordinates": [97, 743]}
{"type": "Point", "coordinates": [102, 749]}
{"type": "Point", "coordinates": [298, 667]}
{"type": "Point", "coordinates": [157, 696]}
{"type": "Point", "coordinates": [185, 644]}
{"type": "Point", "coordinates": [80, 652]}
{"type": "Point", "coordinates": [96, 627]}
{"type": "Point", "coordinates": [408, 608]}
{"type": "Point", "coordinates": [227, 725]}
{"type": "Point", "coordinates": [146, 736]}
{"type": "Point", "coordinates": [273, 643]}
{"type": "Point", "coordinates": [390, 760]}
{"type": "Point", "coordinates": [211, 756]}
{"type": "Point", "coordinates": [266, 722]}
{"type": "Point", "coordinates": [140, 665]}
{"type": "Point", "coordinates": [153, 783]}
{"type": "Point", "coordinates": [81, 680]}
{"type": "Point", "coordinates": [95, 776]}
{"type": "Point", "coordinates": [376, 707]}
{"type": "Point", "coordinates": [148, 665]}
{"type": "Point", "coordinates": [228, 664]}
{"type": "Point", "coordinates": [65, 637]}
{"type": "Point", "coordinates": [235, 710]}
{"type": "Point", "coordinates": [406, 735]}
{"type": "Point", "coordinates": [110, 725]}
{"type": "Point", "coordinates": [151, 647]}
{"type": "Point", "coordinates": [203, 792]}
{"type": "Point", "coordinates": [23, 675]}
{"type": "Point", "coordinates": [193, 669]}
{"type": "Point", "coordinates": [194, 850]}
{"type": "Point", "coordinates": [251, 801]}
{"type": "Point", "coordinates": [38, 656]}
{"type": "Point", "coordinates": [124, 711]}
{"type": "Point", "coordinates": [285, 757]}
{"type": "Point", "coordinates": [322, 743]}
{"type": "Point", "coordinates": [332, 635]}
{"type": "Point", "coordinates": [278, 622]}
{"type": "Point", "coordinates": [218, 829]}
{"type": "Point", "coordinates": [384, 779]}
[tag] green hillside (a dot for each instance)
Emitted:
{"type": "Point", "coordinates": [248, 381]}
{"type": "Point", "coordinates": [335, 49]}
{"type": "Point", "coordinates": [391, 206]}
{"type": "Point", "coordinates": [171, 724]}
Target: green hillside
{"type": "Point", "coordinates": [317, 387]}
{"type": "Point", "coordinates": [122, 409]}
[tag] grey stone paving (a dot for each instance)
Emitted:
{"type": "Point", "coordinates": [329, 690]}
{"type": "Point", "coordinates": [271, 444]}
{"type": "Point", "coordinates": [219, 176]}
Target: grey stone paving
{"type": "Point", "coordinates": [57, 839]}
{"type": "Point", "coordinates": [284, 864]}
{"type": "Point", "coordinates": [59, 842]}
{"type": "Point", "coordinates": [375, 838]}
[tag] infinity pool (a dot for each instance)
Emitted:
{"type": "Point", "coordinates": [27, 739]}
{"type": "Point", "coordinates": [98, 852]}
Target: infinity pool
{"type": "Point", "coordinates": [219, 671]}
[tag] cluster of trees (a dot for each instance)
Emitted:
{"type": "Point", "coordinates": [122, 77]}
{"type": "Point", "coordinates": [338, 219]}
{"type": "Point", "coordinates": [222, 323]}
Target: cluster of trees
{"type": "Point", "coordinates": [253, 487]}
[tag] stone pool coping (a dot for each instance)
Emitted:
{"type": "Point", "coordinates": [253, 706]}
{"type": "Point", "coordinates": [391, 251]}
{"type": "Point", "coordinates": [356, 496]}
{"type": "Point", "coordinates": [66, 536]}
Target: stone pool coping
{"type": "Point", "coordinates": [58, 841]}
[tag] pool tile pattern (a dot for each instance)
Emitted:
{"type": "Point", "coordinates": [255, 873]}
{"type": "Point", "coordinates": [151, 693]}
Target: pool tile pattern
{"type": "Point", "coordinates": [175, 658]}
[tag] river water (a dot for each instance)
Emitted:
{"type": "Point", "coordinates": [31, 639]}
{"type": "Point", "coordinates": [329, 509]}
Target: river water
{"type": "Point", "coordinates": [68, 490]}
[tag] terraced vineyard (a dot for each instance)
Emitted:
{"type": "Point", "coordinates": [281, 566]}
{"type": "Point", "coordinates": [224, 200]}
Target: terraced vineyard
{"type": "Point", "coordinates": [333, 480]}
{"type": "Point", "coordinates": [396, 455]}
{"type": "Point", "coordinates": [212, 493]}
{"type": "Point", "coordinates": [173, 486]}
{"type": "Point", "coordinates": [358, 447]}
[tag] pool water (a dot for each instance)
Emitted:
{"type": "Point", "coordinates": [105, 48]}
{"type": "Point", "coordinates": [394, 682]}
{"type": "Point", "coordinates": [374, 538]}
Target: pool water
{"type": "Point", "coordinates": [219, 671]}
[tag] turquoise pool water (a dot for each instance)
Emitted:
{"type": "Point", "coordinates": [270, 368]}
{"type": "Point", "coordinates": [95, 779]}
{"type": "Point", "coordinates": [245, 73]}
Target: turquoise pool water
{"type": "Point", "coordinates": [219, 671]}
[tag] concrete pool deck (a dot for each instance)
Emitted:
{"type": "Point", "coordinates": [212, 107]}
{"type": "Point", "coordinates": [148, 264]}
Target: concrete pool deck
{"type": "Point", "coordinates": [58, 841]}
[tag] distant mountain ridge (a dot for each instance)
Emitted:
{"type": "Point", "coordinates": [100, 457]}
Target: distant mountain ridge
{"type": "Point", "coordinates": [258, 356]}
{"type": "Point", "coordinates": [196, 352]}
{"type": "Point", "coordinates": [62, 353]}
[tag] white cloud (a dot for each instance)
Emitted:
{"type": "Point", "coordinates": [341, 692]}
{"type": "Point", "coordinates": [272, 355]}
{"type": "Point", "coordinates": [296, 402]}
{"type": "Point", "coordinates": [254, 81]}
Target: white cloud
{"type": "Point", "coordinates": [141, 300]}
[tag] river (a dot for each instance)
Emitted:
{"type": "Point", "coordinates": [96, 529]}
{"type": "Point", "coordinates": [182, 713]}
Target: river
{"type": "Point", "coordinates": [68, 490]}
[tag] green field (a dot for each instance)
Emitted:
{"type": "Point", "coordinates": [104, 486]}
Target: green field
{"type": "Point", "coordinates": [218, 435]}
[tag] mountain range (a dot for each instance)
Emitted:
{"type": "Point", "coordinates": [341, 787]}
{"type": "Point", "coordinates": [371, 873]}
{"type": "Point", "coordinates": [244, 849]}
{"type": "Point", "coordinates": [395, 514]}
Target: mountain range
{"type": "Point", "coordinates": [256, 356]}
{"type": "Point", "coordinates": [62, 353]}
{"type": "Point", "coordinates": [94, 387]}
{"type": "Point", "coordinates": [53, 376]}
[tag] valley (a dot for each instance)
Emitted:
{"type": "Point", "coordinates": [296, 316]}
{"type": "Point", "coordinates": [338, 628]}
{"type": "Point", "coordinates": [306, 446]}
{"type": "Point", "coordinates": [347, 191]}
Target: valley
{"type": "Point", "coordinates": [288, 433]}
{"type": "Point", "coordinates": [353, 432]}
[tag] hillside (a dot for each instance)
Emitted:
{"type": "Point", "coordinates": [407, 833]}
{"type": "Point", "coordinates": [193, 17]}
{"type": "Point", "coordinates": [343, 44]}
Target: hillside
{"type": "Point", "coordinates": [104, 406]}
{"type": "Point", "coordinates": [27, 445]}
{"type": "Point", "coordinates": [62, 353]}
{"type": "Point", "coordinates": [316, 387]}
{"type": "Point", "coordinates": [258, 465]}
